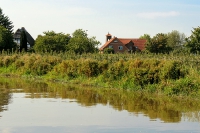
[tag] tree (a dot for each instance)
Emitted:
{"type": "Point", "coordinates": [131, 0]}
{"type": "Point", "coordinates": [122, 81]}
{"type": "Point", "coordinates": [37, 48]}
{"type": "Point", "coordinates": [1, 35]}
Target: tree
{"type": "Point", "coordinates": [147, 37]}
{"type": "Point", "coordinates": [23, 41]}
{"type": "Point", "coordinates": [193, 42]}
{"type": "Point", "coordinates": [175, 39]}
{"type": "Point", "coordinates": [51, 41]}
{"type": "Point", "coordinates": [80, 43]}
{"type": "Point", "coordinates": [5, 21]}
{"type": "Point", "coordinates": [6, 39]}
{"type": "Point", "coordinates": [158, 44]}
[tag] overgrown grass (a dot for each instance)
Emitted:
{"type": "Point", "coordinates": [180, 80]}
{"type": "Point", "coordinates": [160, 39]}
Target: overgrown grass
{"type": "Point", "coordinates": [172, 75]}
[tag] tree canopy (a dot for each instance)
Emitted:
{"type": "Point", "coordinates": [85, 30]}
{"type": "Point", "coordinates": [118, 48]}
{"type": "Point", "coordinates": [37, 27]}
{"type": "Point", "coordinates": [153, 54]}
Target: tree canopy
{"type": "Point", "coordinates": [81, 43]}
{"type": "Point", "coordinates": [51, 41]}
{"type": "Point", "coordinates": [147, 37]}
{"type": "Point", "coordinates": [193, 42]}
{"type": "Point", "coordinates": [23, 41]}
{"type": "Point", "coordinates": [158, 44]}
{"type": "Point", "coordinates": [6, 39]}
{"type": "Point", "coordinates": [5, 21]}
{"type": "Point", "coordinates": [175, 39]}
{"type": "Point", "coordinates": [164, 43]}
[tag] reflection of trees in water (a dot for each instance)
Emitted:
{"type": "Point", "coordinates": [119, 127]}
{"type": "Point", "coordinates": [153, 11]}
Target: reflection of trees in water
{"type": "Point", "coordinates": [155, 107]}
{"type": "Point", "coordinates": [5, 96]}
{"type": "Point", "coordinates": [192, 116]}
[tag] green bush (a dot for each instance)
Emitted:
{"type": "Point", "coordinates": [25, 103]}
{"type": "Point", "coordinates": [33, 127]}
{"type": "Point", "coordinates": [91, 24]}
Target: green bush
{"type": "Point", "coordinates": [184, 86]}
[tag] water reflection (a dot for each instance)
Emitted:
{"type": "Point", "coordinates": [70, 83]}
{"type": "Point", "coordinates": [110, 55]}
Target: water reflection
{"type": "Point", "coordinates": [5, 96]}
{"type": "Point", "coordinates": [155, 107]}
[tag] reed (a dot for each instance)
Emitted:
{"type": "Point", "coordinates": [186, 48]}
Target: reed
{"type": "Point", "coordinates": [155, 73]}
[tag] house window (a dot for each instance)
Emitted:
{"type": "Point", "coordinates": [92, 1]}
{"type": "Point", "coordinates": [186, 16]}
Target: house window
{"type": "Point", "coordinates": [17, 40]}
{"type": "Point", "coordinates": [28, 45]}
{"type": "Point", "coordinates": [110, 46]}
{"type": "Point", "coordinates": [115, 41]}
{"type": "Point", "coordinates": [120, 47]}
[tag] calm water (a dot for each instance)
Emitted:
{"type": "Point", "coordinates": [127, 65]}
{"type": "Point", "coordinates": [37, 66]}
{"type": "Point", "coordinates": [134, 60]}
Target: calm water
{"type": "Point", "coordinates": [35, 107]}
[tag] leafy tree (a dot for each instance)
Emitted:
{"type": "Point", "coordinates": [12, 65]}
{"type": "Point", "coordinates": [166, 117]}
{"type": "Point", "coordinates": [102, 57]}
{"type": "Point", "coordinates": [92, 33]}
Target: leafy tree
{"type": "Point", "coordinates": [193, 42]}
{"type": "Point", "coordinates": [5, 21]}
{"type": "Point", "coordinates": [158, 44]}
{"type": "Point", "coordinates": [80, 43]}
{"type": "Point", "coordinates": [147, 37]}
{"type": "Point", "coordinates": [23, 41]}
{"type": "Point", "coordinates": [6, 39]}
{"type": "Point", "coordinates": [175, 39]}
{"type": "Point", "coordinates": [51, 41]}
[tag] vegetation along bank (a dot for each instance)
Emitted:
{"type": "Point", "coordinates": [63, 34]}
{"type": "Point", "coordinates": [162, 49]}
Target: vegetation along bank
{"type": "Point", "coordinates": [172, 75]}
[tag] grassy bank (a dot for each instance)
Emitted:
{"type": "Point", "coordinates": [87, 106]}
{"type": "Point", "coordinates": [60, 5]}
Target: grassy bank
{"type": "Point", "coordinates": [172, 75]}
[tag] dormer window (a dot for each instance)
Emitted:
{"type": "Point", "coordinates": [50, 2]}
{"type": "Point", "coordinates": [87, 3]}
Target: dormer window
{"type": "Point", "coordinates": [115, 41]}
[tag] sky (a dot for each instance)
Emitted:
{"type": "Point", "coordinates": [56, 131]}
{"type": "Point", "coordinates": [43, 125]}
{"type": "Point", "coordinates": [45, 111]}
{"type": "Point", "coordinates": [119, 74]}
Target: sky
{"type": "Point", "coordinates": [121, 18]}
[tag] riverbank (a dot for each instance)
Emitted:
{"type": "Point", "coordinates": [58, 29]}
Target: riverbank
{"type": "Point", "coordinates": [170, 75]}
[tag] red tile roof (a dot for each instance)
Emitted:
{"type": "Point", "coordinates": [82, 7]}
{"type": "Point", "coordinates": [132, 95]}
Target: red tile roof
{"type": "Point", "coordinates": [107, 43]}
{"type": "Point", "coordinates": [125, 41]}
{"type": "Point", "coordinates": [140, 43]}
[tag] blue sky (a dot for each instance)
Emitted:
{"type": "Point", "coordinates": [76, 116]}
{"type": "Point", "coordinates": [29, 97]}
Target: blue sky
{"type": "Point", "coordinates": [121, 18]}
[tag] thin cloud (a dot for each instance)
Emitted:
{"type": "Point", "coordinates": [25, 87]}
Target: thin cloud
{"type": "Point", "coordinates": [152, 15]}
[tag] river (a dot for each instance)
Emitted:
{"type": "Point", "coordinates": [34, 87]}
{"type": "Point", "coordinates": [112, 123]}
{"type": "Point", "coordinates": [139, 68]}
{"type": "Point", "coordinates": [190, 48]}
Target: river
{"type": "Point", "coordinates": [40, 107]}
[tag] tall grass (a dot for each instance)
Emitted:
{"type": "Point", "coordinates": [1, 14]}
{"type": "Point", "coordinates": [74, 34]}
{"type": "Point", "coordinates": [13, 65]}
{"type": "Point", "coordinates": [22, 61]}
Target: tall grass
{"type": "Point", "coordinates": [155, 73]}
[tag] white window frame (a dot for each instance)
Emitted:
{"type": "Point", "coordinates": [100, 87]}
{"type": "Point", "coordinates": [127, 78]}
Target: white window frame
{"type": "Point", "coordinates": [120, 47]}
{"type": "Point", "coordinates": [110, 46]}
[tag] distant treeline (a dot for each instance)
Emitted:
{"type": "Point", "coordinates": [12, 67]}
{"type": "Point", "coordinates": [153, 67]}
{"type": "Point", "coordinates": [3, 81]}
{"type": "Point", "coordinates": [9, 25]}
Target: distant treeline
{"type": "Point", "coordinates": [80, 43]}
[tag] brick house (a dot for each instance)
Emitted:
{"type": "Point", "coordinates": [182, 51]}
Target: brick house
{"type": "Point", "coordinates": [121, 45]}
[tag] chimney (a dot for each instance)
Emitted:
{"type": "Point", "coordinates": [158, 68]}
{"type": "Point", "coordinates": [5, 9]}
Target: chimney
{"type": "Point", "coordinates": [108, 37]}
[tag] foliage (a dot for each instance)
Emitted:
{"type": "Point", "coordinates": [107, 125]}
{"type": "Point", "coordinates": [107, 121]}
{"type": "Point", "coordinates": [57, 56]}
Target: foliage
{"type": "Point", "coordinates": [23, 41]}
{"type": "Point", "coordinates": [175, 39]}
{"type": "Point", "coordinates": [158, 44]}
{"type": "Point", "coordinates": [147, 37]}
{"type": "Point", "coordinates": [193, 42]}
{"type": "Point", "coordinates": [108, 51]}
{"type": "Point", "coordinates": [155, 73]}
{"type": "Point", "coordinates": [5, 22]}
{"type": "Point", "coordinates": [81, 43]}
{"type": "Point", "coordinates": [6, 39]}
{"type": "Point", "coordinates": [51, 41]}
